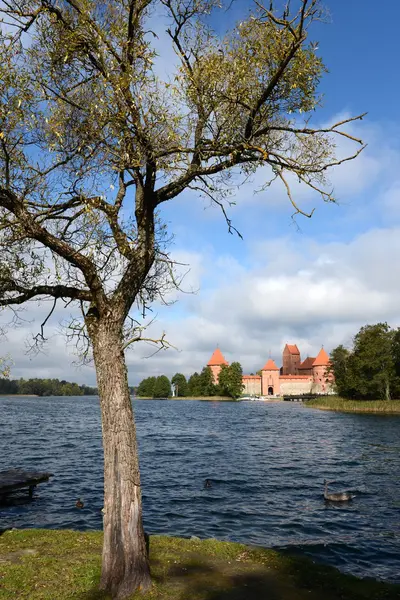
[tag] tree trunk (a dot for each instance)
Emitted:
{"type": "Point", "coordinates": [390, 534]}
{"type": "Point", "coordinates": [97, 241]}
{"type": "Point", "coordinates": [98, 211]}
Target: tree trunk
{"type": "Point", "coordinates": [387, 389]}
{"type": "Point", "coordinates": [125, 565]}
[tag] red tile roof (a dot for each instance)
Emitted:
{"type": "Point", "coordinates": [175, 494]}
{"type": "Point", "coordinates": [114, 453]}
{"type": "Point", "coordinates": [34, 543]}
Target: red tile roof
{"type": "Point", "coordinates": [293, 349]}
{"type": "Point", "coordinates": [322, 359]}
{"type": "Point", "coordinates": [270, 366]}
{"type": "Point", "coordinates": [307, 363]}
{"type": "Point", "coordinates": [217, 359]}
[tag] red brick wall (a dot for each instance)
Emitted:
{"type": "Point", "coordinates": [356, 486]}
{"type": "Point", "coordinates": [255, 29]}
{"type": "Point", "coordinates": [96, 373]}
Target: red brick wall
{"type": "Point", "coordinates": [290, 362]}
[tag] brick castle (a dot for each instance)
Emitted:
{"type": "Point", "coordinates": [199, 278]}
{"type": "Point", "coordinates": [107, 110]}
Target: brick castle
{"type": "Point", "coordinates": [294, 377]}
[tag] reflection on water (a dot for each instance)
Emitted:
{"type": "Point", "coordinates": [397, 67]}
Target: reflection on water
{"type": "Point", "coordinates": [266, 464]}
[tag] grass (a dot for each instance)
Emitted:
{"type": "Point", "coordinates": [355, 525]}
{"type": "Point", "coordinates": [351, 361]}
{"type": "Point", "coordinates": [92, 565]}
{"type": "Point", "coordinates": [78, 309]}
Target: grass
{"type": "Point", "coordinates": [65, 565]}
{"type": "Point", "coordinates": [364, 406]}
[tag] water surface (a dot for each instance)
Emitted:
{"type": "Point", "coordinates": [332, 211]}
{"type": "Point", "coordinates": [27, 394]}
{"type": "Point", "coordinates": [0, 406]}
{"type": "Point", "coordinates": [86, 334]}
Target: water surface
{"type": "Point", "coordinates": [266, 462]}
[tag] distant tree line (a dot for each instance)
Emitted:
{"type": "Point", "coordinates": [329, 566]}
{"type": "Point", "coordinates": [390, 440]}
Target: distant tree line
{"type": "Point", "coordinates": [154, 387]}
{"type": "Point", "coordinates": [371, 368]}
{"type": "Point", "coordinates": [198, 385]}
{"type": "Point", "coordinates": [45, 387]}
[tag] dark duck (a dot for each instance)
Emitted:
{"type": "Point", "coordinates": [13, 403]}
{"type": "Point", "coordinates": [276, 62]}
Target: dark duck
{"type": "Point", "coordinates": [338, 496]}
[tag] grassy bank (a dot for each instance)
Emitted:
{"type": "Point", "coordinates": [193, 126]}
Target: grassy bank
{"type": "Point", "coordinates": [343, 405]}
{"type": "Point", "coordinates": [19, 396]}
{"type": "Point", "coordinates": [65, 565]}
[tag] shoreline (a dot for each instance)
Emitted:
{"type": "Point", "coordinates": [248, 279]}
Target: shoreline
{"type": "Point", "coordinates": [44, 564]}
{"type": "Point", "coordinates": [20, 396]}
{"type": "Point", "coordinates": [373, 407]}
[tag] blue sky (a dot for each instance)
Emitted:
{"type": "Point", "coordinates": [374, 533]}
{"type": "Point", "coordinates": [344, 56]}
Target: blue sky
{"type": "Point", "coordinates": [312, 283]}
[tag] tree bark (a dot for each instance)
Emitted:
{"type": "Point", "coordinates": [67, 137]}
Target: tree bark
{"type": "Point", "coordinates": [125, 565]}
{"type": "Point", "coordinates": [387, 389]}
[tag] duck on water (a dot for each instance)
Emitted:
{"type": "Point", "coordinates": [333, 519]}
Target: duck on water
{"type": "Point", "coordinates": [336, 497]}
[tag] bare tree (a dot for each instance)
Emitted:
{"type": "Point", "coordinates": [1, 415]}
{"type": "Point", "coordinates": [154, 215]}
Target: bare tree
{"type": "Point", "coordinates": [93, 141]}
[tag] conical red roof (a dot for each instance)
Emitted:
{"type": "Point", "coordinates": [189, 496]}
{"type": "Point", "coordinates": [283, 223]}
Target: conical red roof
{"type": "Point", "coordinates": [217, 359]}
{"type": "Point", "coordinates": [322, 359]}
{"type": "Point", "coordinates": [270, 366]}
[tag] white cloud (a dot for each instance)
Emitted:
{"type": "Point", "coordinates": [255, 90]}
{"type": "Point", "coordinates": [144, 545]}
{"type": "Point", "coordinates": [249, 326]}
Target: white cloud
{"type": "Point", "coordinates": [250, 312]}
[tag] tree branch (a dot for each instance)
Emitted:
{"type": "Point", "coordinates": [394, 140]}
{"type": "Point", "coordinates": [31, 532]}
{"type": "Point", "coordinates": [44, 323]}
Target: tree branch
{"type": "Point", "coordinates": [289, 193]}
{"type": "Point", "coordinates": [248, 131]}
{"type": "Point", "coordinates": [161, 342]}
{"type": "Point", "coordinates": [35, 231]}
{"type": "Point", "coordinates": [56, 291]}
{"type": "Point", "coordinates": [310, 131]}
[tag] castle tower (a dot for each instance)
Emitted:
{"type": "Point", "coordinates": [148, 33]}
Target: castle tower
{"type": "Point", "coordinates": [319, 370]}
{"type": "Point", "coordinates": [215, 363]}
{"type": "Point", "coordinates": [270, 385]}
{"type": "Point", "coordinates": [290, 360]}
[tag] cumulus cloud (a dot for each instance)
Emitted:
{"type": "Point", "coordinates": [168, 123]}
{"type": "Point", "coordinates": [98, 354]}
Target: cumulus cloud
{"type": "Point", "coordinates": [323, 294]}
{"type": "Point", "coordinates": [253, 312]}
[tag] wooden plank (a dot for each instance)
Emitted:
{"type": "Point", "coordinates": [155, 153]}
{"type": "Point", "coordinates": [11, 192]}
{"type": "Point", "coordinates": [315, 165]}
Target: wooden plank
{"type": "Point", "coordinates": [14, 479]}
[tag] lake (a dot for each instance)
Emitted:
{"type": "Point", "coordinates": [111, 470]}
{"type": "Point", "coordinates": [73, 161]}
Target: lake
{"type": "Point", "coordinates": [266, 462]}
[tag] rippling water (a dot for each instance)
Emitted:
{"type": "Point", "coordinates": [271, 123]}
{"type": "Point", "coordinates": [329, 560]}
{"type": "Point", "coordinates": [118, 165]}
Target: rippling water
{"type": "Point", "coordinates": [266, 462]}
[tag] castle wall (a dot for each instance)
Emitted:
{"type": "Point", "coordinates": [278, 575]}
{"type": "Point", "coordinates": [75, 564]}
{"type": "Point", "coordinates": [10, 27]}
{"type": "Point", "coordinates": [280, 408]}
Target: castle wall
{"type": "Point", "coordinates": [257, 386]}
{"type": "Point", "coordinates": [323, 388]}
{"type": "Point", "coordinates": [295, 385]}
{"type": "Point", "coordinates": [252, 385]}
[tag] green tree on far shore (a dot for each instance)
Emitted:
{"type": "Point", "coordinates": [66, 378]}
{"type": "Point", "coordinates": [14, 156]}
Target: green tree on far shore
{"type": "Point", "coordinates": [146, 387]}
{"type": "Point", "coordinates": [162, 387]}
{"type": "Point", "coordinates": [396, 355]}
{"type": "Point", "coordinates": [45, 387]}
{"type": "Point", "coordinates": [194, 387]}
{"type": "Point", "coordinates": [207, 386]}
{"type": "Point", "coordinates": [341, 368]}
{"type": "Point", "coordinates": [231, 380]}
{"type": "Point", "coordinates": [373, 360]}
{"type": "Point", "coordinates": [371, 369]}
{"type": "Point", "coordinates": [8, 386]}
{"type": "Point", "coordinates": [181, 385]}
